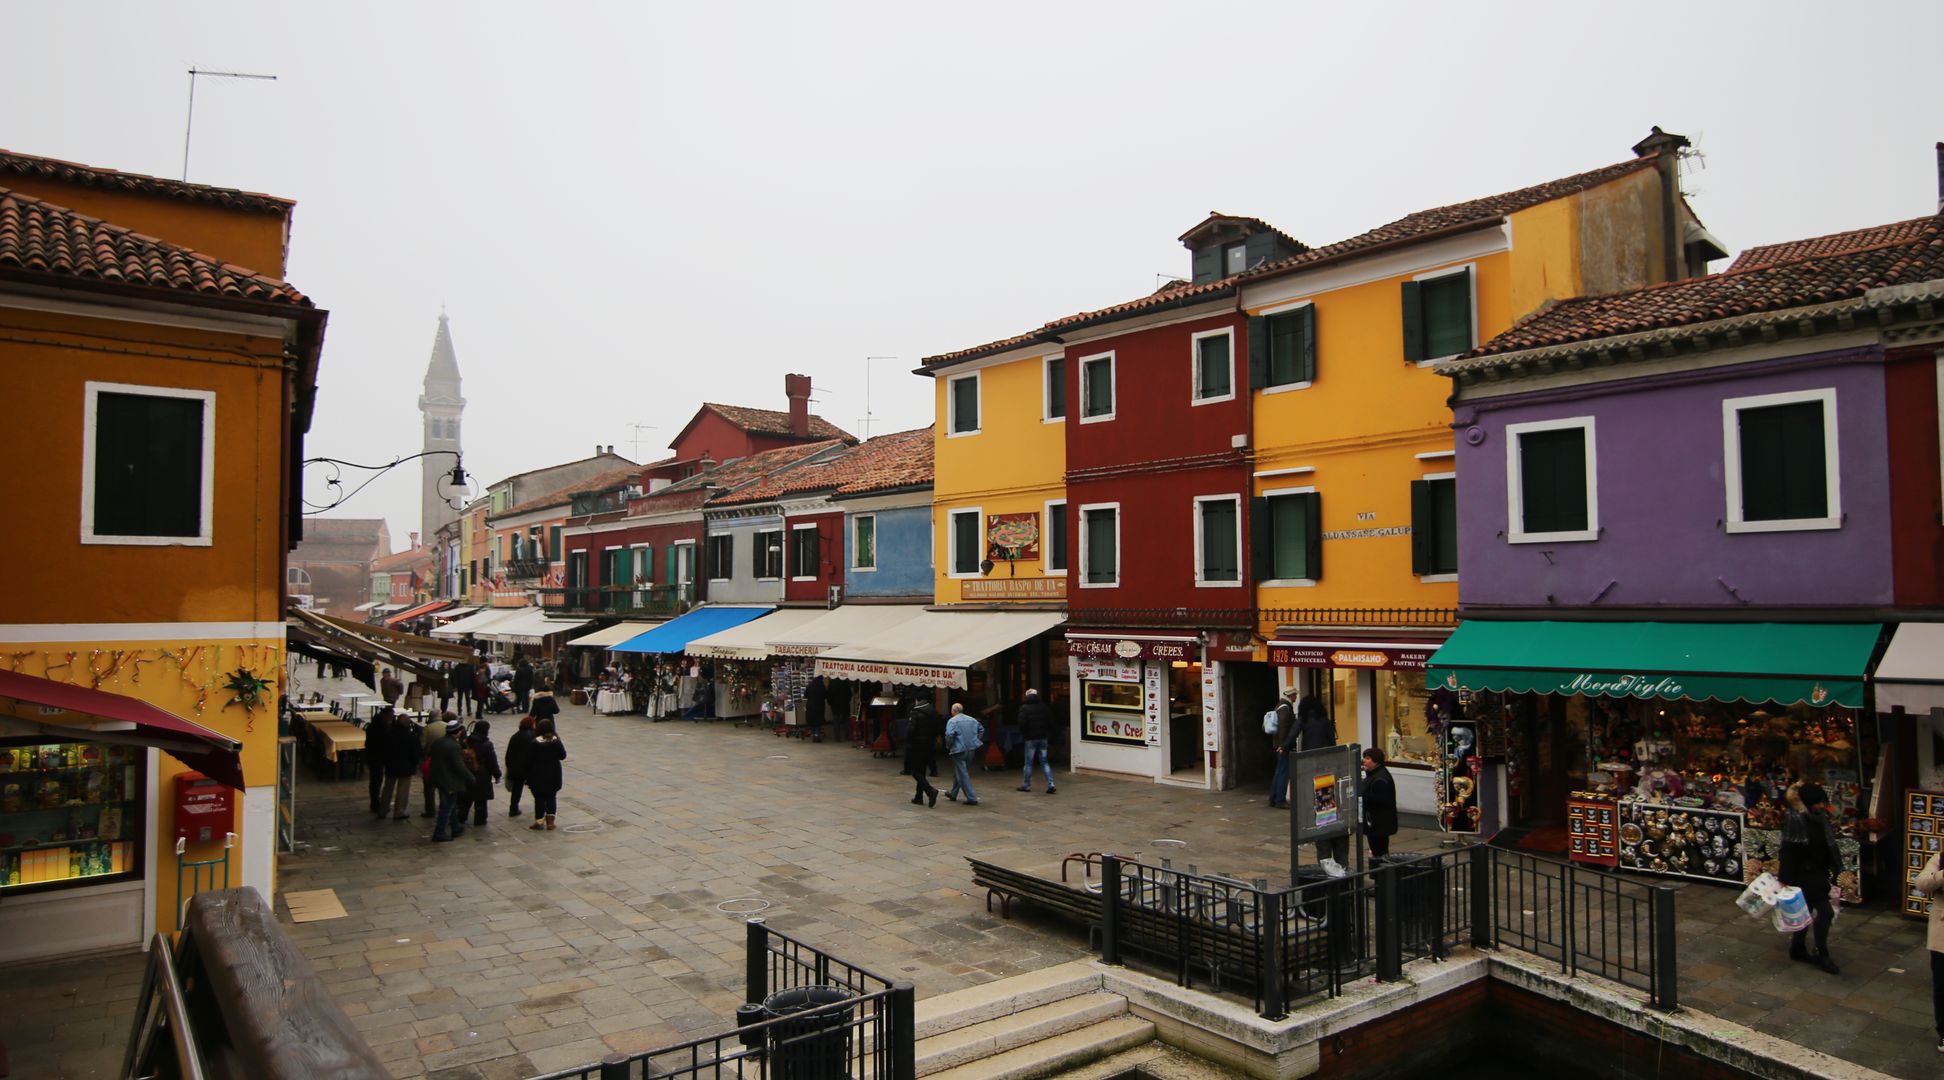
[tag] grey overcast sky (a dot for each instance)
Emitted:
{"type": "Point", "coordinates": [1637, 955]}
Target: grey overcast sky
{"type": "Point", "coordinates": [630, 208]}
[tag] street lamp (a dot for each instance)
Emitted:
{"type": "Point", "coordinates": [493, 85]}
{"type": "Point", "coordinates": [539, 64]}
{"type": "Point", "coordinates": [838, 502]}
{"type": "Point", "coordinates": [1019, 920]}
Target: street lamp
{"type": "Point", "coordinates": [452, 486]}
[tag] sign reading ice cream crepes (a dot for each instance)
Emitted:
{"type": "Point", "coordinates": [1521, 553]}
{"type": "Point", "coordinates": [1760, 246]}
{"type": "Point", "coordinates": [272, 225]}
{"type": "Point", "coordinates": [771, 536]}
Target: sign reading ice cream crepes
{"type": "Point", "coordinates": [893, 674]}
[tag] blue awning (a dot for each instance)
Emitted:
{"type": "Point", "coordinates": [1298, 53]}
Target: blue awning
{"type": "Point", "coordinates": [674, 635]}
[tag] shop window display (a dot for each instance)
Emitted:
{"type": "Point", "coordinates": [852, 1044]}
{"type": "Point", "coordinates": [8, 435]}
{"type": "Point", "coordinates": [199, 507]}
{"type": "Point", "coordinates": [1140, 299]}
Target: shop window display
{"type": "Point", "coordinates": [1403, 726]}
{"type": "Point", "coordinates": [69, 813]}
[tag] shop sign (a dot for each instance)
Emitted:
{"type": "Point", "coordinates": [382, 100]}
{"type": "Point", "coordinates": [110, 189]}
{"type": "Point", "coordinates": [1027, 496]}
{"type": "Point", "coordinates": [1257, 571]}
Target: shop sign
{"type": "Point", "coordinates": [1231, 645]}
{"type": "Point", "coordinates": [1013, 536]}
{"type": "Point", "coordinates": [1014, 588]}
{"type": "Point", "coordinates": [1134, 648]}
{"type": "Point", "coordinates": [1643, 686]}
{"type": "Point", "coordinates": [797, 648]}
{"type": "Point", "coordinates": [949, 678]}
{"type": "Point", "coordinates": [1350, 655]}
{"type": "Point", "coordinates": [1212, 711]}
{"type": "Point", "coordinates": [1116, 670]}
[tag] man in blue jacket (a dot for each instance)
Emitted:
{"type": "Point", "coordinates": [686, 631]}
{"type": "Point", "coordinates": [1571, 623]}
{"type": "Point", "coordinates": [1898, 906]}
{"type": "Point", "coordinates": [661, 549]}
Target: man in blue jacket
{"type": "Point", "coordinates": [963, 738]}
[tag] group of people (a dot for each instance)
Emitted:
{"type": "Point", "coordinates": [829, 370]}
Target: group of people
{"type": "Point", "coordinates": [962, 736]}
{"type": "Point", "coordinates": [1303, 723]}
{"type": "Point", "coordinates": [476, 687]}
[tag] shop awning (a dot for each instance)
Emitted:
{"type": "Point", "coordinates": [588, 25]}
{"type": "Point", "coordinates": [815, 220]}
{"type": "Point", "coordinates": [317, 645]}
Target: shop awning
{"type": "Point", "coordinates": [1788, 663]}
{"type": "Point", "coordinates": [304, 641]}
{"type": "Point", "coordinates": [368, 605]}
{"type": "Point", "coordinates": [531, 626]}
{"type": "Point", "coordinates": [1911, 674]}
{"type": "Point", "coordinates": [837, 628]}
{"type": "Point", "coordinates": [935, 648]}
{"type": "Point", "coordinates": [42, 707]}
{"type": "Point", "coordinates": [360, 640]}
{"type": "Point", "coordinates": [424, 648]}
{"type": "Point", "coordinates": [750, 640]}
{"type": "Point", "coordinates": [474, 623]}
{"type": "Point", "coordinates": [412, 613]}
{"type": "Point", "coordinates": [445, 618]}
{"type": "Point", "coordinates": [611, 636]}
{"type": "Point", "coordinates": [674, 635]}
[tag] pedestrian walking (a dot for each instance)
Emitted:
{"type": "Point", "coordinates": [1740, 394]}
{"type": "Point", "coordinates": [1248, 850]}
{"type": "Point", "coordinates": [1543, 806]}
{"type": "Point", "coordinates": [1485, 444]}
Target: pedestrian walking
{"type": "Point", "coordinates": [517, 749]}
{"type": "Point", "coordinates": [399, 761]}
{"type": "Point", "coordinates": [1930, 882]}
{"type": "Point", "coordinates": [482, 688]}
{"type": "Point", "coordinates": [1035, 731]}
{"type": "Point", "coordinates": [485, 766]}
{"type": "Point", "coordinates": [445, 685]}
{"type": "Point", "coordinates": [1379, 798]}
{"type": "Point", "coordinates": [1314, 729]}
{"type": "Point", "coordinates": [432, 732]}
{"type": "Point", "coordinates": [390, 687]}
{"type": "Point", "coordinates": [1809, 863]}
{"type": "Point", "coordinates": [963, 738]}
{"type": "Point", "coordinates": [543, 772]}
{"type": "Point", "coordinates": [452, 779]}
{"type": "Point", "coordinates": [377, 734]}
{"type": "Point", "coordinates": [544, 705]}
{"type": "Point", "coordinates": [522, 683]}
{"type": "Point", "coordinates": [459, 683]}
{"type": "Point", "coordinates": [1285, 722]}
{"type": "Point", "coordinates": [921, 742]}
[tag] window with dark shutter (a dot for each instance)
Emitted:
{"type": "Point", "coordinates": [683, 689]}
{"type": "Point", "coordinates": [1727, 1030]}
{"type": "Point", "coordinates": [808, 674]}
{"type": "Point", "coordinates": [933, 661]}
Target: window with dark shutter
{"type": "Point", "coordinates": [1099, 527]}
{"type": "Point", "coordinates": [864, 542]}
{"type": "Point", "coordinates": [769, 553]}
{"type": "Point", "coordinates": [1097, 387]}
{"type": "Point", "coordinates": [1552, 480]}
{"type": "Point", "coordinates": [148, 465]}
{"type": "Point", "coordinates": [1056, 388]}
{"type": "Point", "coordinates": [1214, 371]}
{"type": "Point", "coordinates": [721, 557]}
{"type": "Point", "coordinates": [965, 404]}
{"type": "Point", "coordinates": [1434, 526]}
{"type": "Point", "coordinates": [966, 551]}
{"type": "Point", "coordinates": [1219, 561]}
{"type": "Point", "coordinates": [1056, 536]}
{"type": "Point", "coordinates": [803, 553]}
{"type": "Point", "coordinates": [1784, 464]}
{"type": "Point", "coordinates": [1292, 347]}
{"type": "Point", "coordinates": [1290, 532]}
{"type": "Point", "coordinates": [1446, 314]}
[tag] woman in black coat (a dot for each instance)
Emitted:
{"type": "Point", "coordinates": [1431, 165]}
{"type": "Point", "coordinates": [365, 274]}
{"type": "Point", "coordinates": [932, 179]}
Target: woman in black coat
{"type": "Point", "coordinates": [921, 742]}
{"type": "Point", "coordinates": [1379, 803]}
{"type": "Point", "coordinates": [486, 769]}
{"type": "Point", "coordinates": [517, 749]}
{"type": "Point", "coordinates": [543, 772]}
{"type": "Point", "coordinates": [401, 753]}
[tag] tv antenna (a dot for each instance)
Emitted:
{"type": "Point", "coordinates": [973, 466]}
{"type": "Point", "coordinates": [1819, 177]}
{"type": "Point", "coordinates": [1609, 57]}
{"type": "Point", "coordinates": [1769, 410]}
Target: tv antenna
{"type": "Point", "coordinates": [189, 125]}
{"type": "Point", "coordinates": [865, 420]}
{"type": "Point", "coordinates": [638, 429]}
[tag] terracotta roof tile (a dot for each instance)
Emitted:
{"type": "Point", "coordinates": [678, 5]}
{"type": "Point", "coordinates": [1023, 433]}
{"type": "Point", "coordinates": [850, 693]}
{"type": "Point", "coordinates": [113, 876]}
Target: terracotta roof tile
{"type": "Point", "coordinates": [1834, 244]}
{"type": "Point", "coordinates": [1825, 269]}
{"type": "Point", "coordinates": [91, 176]}
{"type": "Point", "coordinates": [1259, 225]}
{"type": "Point", "coordinates": [611, 480]}
{"type": "Point", "coordinates": [39, 237]}
{"type": "Point", "coordinates": [888, 462]}
{"type": "Point", "coordinates": [1424, 223]}
{"type": "Point", "coordinates": [773, 422]}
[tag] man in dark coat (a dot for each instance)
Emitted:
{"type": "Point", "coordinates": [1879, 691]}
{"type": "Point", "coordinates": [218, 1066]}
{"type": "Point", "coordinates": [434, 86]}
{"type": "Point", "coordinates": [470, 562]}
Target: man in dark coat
{"type": "Point", "coordinates": [1035, 731]}
{"type": "Point", "coordinates": [485, 770]}
{"type": "Point", "coordinates": [390, 687]}
{"type": "Point", "coordinates": [377, 732]}
{"type": "Point", "coordinates": [400, 761]}
{"type": "Point", "coordinates": [921, 742]}
{"type": "Point", "coordinates": [1314, 729]}
{"type": "Point", "coordinates": [1285, 723]}
{"type": "Point", "coordinates": [1379, 803]}
{"type": "Point", "coordinates": [522, 683]}
{"type": "Point", "coordinates": [813, 707]}
{"type": "Point", "coordinates": [452, 780]}
{"type": "Point", "coordinates": [1810, 862]}
{"type": "Point", "coordinates": [459, 684]}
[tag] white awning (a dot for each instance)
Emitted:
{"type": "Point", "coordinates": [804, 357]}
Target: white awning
{"type": "Point", "coordinates": [474, 623]}
{"type": "Point", "coordinates": [613, 635]}
{"type": "Point", "coordinates": [833, 629]}
{"type": "Point", "coordinates": [749, 641]}
{"type": "Point", "coordinates": [368, 605]}
{"type": "Point", "coordinates": [449, 614]}
{"type": "Point", "coordinates": [530, 626]}
{"type": "Point", "coordinates": [1911, 674]}
{"type": "Point", "coordinates": [935, 648]}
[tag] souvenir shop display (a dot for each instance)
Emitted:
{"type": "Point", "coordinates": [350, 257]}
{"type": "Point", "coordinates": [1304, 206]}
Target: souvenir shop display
{"type": "Point", "coordinates": [1681, 841]}
{"type": "Point", "coordinates": [68, 811]}
{"type": "Point", "coordinates": [1459, 769]}
{"type": "Point", "coordinates": [1923, 833]}
{"type": "Point", "coordinates": [1593, 829]}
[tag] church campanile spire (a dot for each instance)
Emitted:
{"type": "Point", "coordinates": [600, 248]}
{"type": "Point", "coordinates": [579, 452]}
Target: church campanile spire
{"type": "Point", "coordinates": [440, 405]}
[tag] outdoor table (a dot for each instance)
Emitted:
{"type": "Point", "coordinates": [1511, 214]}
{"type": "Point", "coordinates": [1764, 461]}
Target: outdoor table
{"type": "Point", "coordinates": [613, 701]}
{"type": "Point", "coordinates": [341, 743]}
{"type": "Point", "coordinates": [348, 703]}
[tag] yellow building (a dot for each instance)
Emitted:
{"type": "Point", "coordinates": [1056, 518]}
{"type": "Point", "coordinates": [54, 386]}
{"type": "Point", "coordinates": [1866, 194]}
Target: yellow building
{"type": "Point", "coordinates": [159, 393]}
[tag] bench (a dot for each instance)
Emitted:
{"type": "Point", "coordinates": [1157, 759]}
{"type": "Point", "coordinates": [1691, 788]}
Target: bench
{"type": "Point", "coordinates": [1009, 885]}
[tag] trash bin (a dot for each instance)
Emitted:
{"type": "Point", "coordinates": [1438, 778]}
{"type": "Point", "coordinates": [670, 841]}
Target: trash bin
{"type": "Point", "coordinates": [1420, 899]}
{"type": "Point", "coordinates": [809, 1047]}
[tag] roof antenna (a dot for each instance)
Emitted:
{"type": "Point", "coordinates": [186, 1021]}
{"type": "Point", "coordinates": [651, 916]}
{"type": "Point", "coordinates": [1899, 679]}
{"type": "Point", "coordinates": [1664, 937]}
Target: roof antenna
{"type": "Point", "coordinates": [638, 429]}
{"type": "Point", "coordinates": [188, 125]}
{"type": "Point", "coordinates": [865, 420]}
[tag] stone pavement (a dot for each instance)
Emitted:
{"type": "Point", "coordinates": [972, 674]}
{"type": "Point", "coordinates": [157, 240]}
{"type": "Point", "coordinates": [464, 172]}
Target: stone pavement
{"type": "Point", "coordinates": [512, 952]}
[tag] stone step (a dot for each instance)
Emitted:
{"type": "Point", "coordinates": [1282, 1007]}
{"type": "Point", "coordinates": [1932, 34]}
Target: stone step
{"type": "Point", "coordinates": [988, 1038]}
{"type": "Point", "coordinates": [1057, 1054]}
{"type": "Point", "coordinates": [977, 1004]}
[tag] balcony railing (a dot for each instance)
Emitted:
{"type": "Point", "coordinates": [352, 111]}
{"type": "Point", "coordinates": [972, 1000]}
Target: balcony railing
{"type": "Point", "coordinates": [527, 569]}
{"type": "Point", "coordinates": [665, 601]}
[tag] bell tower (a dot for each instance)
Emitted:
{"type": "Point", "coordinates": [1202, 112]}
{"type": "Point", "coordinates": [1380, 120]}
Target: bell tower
{"type": "Point", "coordinates": [440, 404]}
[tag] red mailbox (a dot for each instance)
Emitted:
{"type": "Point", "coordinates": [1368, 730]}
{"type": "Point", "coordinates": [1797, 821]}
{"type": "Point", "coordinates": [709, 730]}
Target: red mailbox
{"type": "Point", "coordinates": [204, 809]}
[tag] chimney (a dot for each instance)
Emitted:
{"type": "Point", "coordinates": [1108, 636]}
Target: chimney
{"type": "Point", "coordinates": [1668, 146]}
{"type": "Point", "coordinates": [797, 389]}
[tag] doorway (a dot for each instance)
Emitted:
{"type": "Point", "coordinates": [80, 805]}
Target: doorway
{"type": "Point", "coordinates": [1252, 754]}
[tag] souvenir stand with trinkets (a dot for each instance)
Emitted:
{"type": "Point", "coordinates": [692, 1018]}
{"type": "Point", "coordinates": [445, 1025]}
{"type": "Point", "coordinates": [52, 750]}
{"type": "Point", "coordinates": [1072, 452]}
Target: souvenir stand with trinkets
{"type": "Point", "coordinates": [1923, 835]}
{"type": "Point", "coordinates": [1460, 766]}
{"type": "Point", "coordinates": [1593, 829]}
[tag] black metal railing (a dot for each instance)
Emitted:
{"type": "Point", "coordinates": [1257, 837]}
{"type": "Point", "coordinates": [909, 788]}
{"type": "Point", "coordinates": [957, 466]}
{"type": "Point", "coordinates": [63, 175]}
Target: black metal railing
{"type": "Point", "coordinates": [1403, 616]}
{"type": "Point", "coordinates": [808, 1016]}
{"type": "Point", "coordinates": [653, 600]}
{"type": "Point", "coordinates": [1209, 929]}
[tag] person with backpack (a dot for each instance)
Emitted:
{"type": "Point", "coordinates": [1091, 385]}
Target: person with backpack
{"type": "Point", "coordinates": [964, 737]}
{"type": "Point", "coordinates": [1275, 722]}
{"type": "Point", "coordinates": [1035, 730]}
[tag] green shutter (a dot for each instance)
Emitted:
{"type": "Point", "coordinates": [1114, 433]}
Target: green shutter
{"type": "Point", "coordinates": [1208, 264]}
{"type": "Point", "coordinates": [1307, 373]}
{"type": "Point", "coordinates": [1784, 472]}
{"type": "Point", "coordinates": [1423, 529]}
{"type": "Point", "coordinates": [1258, 352]}
{"type": "Point", "coordinates": [1444, 513]}
{"type": "Point", "coordinates": [1056, 388]}
{"type": "Point", "coordinates": [1413, 323]}
{"type": "Point", "coordinates": [1552, 480]}
{"type": "Point", "coordinates": [965, 404]}
{"type": "Point", "coordinates": [1262, 551]}
{"type": "Point", "coordinates": [1313, 535]}
{"type": "Point", "coordinates": [1259, 249]}
{"type": "Point", "coordinates": [1218, 541]}
{"type": "Point", "coordinates": [1056, 531]}
{"type": "Point", "coordinates": [1445, 305]}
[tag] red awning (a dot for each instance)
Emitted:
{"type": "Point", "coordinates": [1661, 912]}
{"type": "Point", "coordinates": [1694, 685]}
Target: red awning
{"type": "Point", "coordinates": [34, 706]}
{"type": "Point", "coordinates": [413, 613]}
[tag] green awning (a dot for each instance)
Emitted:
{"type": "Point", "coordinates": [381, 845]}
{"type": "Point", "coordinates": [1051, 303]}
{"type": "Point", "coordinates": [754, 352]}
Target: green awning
{"type": "Point", "coordinates": [1811, 663]}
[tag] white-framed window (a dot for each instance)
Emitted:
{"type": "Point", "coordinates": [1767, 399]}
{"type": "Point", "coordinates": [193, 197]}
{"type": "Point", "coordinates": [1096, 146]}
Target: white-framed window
{"type": "Point", "coordinates": [1053, 390]}
{"type": "Point", "coordinates": [721, 554]}
{"type": "Point", "coordinates": [1552, 489]}
{"type": "Point", "coordinates": [1286, 530]}
{"type": "Point", "coordinates": [965, 542]}
{"type": "Point", "coordinates": [644, 564]}
{"type": "Point", "coordinates": [806, 552]}
{"type": "Point", "coordinates": [681, 555]}
{"type": "Point", "coordinates": [1100, 545]}
{"type": "Point", "coordinates": [962, 392]}
{"type": "Point", "coordinates": [1440, 314]}
{"type": "Point", "coordinates": [864, 542]}
{"type": "Point", "coordinates": [1781, 468]}
{"type": "Point", "coordinates": [1218, 541]}
{"type": "Point", "coordinates": [1053, 539]}
{"type": "Point", "coordinates": [768, 555]}
{"type": "Point", "coordinates": [148, 465]}
{"type": "Point", "coordinates": [1211, 366]}
{"type": "Point", "coordinates": [1097, 388]}
{"type": "Point", "coordinates": [617, 566]}
{"type": "Point", "coordinates": [1282, 348]}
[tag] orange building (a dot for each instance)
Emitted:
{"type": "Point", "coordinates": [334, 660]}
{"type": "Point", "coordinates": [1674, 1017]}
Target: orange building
{"type": "Point", "coordinates": [159, 394]}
